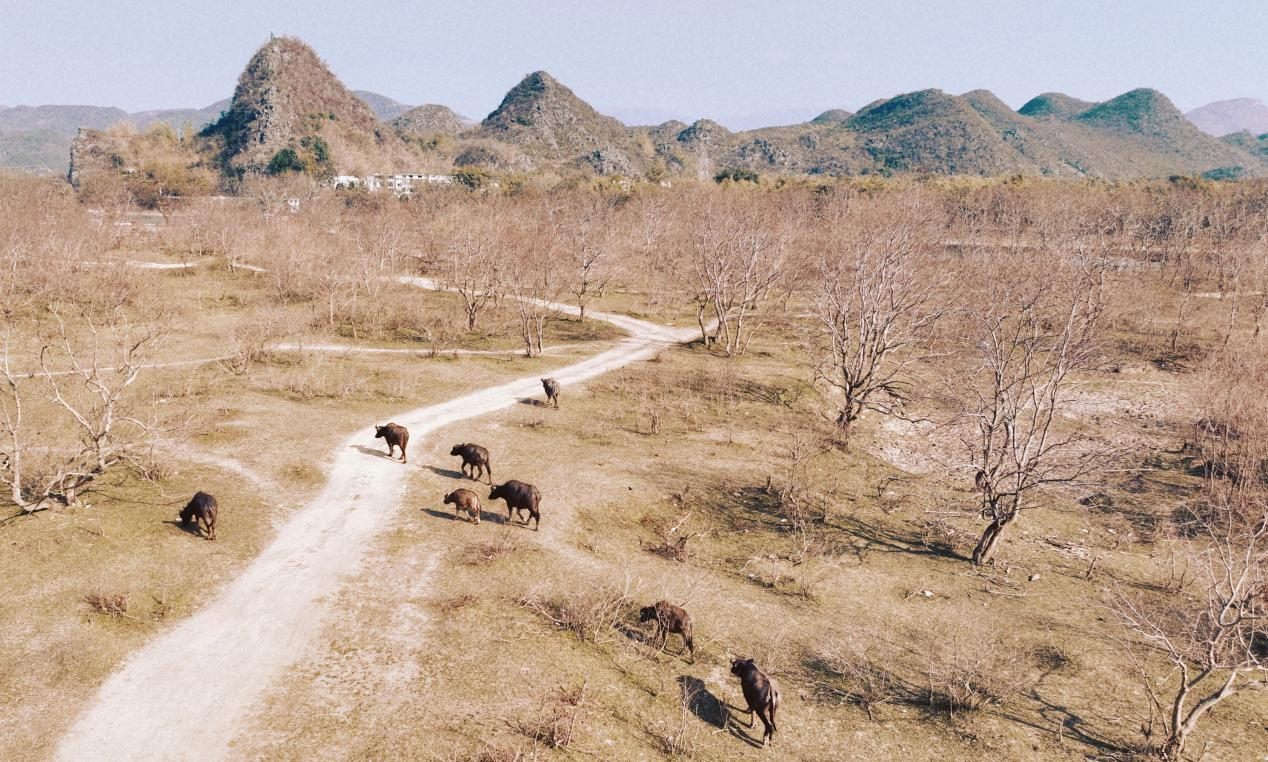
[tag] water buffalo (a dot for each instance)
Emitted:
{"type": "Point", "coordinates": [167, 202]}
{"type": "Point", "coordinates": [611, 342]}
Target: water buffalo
{"type": "Point", "coordinates": [521, 497]}
{"type": "Point", "coordinates": [669, 618]}
{"type": "Point", "coordinates": [474, 457]}
{"type": "Point", "coordinates": [761, 694]}
{"type": "Point", "coordinates": [395, 436]}
{"type": "Point", "coordinates": [552, 390]}
{"type": "Point", "coordinates": [202, 507]}
{"type": "Point", "coordinates": [464, 500]}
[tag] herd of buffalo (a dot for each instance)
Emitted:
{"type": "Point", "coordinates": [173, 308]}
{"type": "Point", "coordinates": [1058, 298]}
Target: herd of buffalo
{"type": "Point", "coordinates": [760, 691]}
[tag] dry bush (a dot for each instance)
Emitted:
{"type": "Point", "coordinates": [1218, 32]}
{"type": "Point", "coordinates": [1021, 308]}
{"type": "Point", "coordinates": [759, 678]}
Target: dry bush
{"type": "Point", "coordinates": [559, 721]}
{"type": "Point", "coordinates": [488, 551]}
{"type": "Point", "coordinates": [671, 537]}
{"type": "Point", "coordinates": [592, 614]}
{"type": "Point", "coordinates": [857, 675]}
{"type": "Point", "coordinates": [323, 378]}
{"type": "Point", "coordinates": [249, 341]}
{"type": "Point", "coordinates": [965, 670]}
{"type": "Point", "coordinates": [110, 604]}
{"type": "Point", "coordinates": [450, 605]}
{"type": "Point", "coordinates": [680, 738]}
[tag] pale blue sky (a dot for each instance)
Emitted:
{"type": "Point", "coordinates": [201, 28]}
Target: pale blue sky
{"type": "Point", "coordinates": [737, 62]}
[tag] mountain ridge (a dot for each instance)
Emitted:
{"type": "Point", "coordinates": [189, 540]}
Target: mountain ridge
{"type": "Point", "coordinates": [289, 108]}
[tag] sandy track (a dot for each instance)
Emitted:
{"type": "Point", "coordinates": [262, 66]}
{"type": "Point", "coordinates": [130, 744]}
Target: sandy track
{"type": "Point", "coordinates": [186, 694]}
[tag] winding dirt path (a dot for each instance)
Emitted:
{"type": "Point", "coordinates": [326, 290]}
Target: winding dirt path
{"type": "Point", "coordinates": [186, 694]}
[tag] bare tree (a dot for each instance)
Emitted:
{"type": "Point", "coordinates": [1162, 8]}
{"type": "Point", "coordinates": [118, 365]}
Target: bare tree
{"type": "Point", "coordinates": [533, 290]}
{"type": "Point", "coordinates": [1026, 338]}
{"type": "Point", "coordinates": [738, 254]}
{"type": "Point", "coordinates": [587, 242]}
{"type": "Point", "coordinates": [92, 385]}
{"type": "Point", "coordinates": [1211, 639]}
{"type": "Point", "coordinates": [873, 306]}
{"type": "Point", "coordinates": [471, 264]}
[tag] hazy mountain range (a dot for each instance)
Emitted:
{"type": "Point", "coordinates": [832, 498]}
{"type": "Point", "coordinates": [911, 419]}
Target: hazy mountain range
{"type": "Point", "coordinates": [1227, 117]}
{"type": "Point", "coordinates": [288, 99]}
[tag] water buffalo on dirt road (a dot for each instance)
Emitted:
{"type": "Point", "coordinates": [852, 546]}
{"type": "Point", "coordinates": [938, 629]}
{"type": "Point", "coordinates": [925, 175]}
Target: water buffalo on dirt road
{"type": "Point", "coordinates": [552, 390]}
{"type": "Point", "coordinates": [395, 436]}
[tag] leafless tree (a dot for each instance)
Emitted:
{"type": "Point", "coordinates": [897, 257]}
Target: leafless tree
{"type": "Point", "coordinates": [587, 243]}
{"type": "Point", "coordinates": [1207, 643]}
{"type": "Point", "coordinates": [91, 380]}
{"type": "Point", "coordinates": [533, 290]}
{"type": "Point", "coordinates": [738, 253]}
{"type": "Point", "coordinates": [873, 306]}
{"type": "Point", "coordinates": [1027, 336]}
{"type": "Point", "coordinates": [471, 263]}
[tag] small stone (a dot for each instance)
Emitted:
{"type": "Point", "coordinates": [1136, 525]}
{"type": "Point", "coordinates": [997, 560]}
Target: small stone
{"type": "Point", "coordinates": [1033, 578]}
{"type": "Point", "coordinates": [927, 593]}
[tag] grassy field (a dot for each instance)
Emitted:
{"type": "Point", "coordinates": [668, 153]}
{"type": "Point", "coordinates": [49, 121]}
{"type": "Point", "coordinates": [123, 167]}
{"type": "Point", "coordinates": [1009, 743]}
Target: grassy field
{"type": "Point", "coordinates": [496, 642]}
{"type": "Point", "coordinates": [256, 438]}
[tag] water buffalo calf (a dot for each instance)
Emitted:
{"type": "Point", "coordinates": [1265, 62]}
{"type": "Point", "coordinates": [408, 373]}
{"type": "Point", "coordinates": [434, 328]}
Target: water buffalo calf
{"type": "Point", "coordinates": [474, 457]}
{"type": "Point", "coordinates": [519, 496]}
{"type": "Point", "coordinates": [464, 500]}
{"type": "Point", "coordinates": [552, 390]}
{"type": "Point", "coordinates": [669, 618]}
{"type": "Point", "coordinates": [395, 436]}
{"type": "Point", "coordinates": [760, 693]}
{"type": "Point", "coordinates": [202, 507]}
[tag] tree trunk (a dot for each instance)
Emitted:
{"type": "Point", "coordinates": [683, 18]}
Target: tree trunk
{"type": "Point", "coordinates": [986, 546]}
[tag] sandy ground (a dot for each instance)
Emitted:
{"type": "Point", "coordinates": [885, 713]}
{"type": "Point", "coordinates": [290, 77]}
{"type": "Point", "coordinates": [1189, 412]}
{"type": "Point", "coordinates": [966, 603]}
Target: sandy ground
{"type": "Point", "coordinates": [186, 694]}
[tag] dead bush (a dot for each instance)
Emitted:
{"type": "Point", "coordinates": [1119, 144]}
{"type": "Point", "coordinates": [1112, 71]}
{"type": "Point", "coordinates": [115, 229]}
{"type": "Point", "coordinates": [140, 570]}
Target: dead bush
{"type": "Point", "coordinates": [479, 553]}
{"type": "Point", "coordinates": [249, 342]}
{"type": "Point", "coordinates": [671, 537]}
{"type": "Point", "coordinates": [965, 670]}
{"type": "Point", "coordinates": [591, 614]}
{"type": "Point", "coordinates": [855, 674]}
{"type": "Point", "coordinates": [450, 605]}
{"type": "Point", "coordinates": [111, 604]}
{"type": "Point", "coordinates": [679, 737]}
{"type": "Point", "coordinates": [559, 720]}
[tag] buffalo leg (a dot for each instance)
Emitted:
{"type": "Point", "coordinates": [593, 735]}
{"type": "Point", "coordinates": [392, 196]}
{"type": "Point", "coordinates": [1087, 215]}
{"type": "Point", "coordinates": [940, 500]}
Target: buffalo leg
{"type": "Point", "coordinates": [767, 725]}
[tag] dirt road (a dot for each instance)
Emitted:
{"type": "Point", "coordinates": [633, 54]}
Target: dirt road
{"type": "Point", "coordinates": [186, 693]}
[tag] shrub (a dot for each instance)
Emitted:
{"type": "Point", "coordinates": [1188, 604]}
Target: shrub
{"type": "Point", "coordinates": [285, 160]}
{"type": "Point", "coordinates": [736, 175]}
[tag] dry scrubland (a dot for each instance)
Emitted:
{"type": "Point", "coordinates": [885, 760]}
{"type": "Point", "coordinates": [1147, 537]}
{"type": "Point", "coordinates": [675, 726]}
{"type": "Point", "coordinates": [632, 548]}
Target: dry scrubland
{"type": "Point", "coordinates": [972, 470]}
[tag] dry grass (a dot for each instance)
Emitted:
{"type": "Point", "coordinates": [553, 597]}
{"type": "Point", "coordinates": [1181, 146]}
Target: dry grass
{"type": "Point", "coordinates": [704, 481]}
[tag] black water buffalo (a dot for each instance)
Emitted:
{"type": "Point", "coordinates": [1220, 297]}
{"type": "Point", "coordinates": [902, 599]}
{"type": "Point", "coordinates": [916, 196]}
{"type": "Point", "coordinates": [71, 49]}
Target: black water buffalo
{"type": "Point", "coordinates": [669, 618]}
{"type": "Point", "coordinates": [202, 507]}
{"type": "Point", "coordinates": [519, 496]}
{"type": "Point", "coordinates": [552, 390]}
{"type": "Point", "coordinates": [761, 694]}
{"type": "Point", "coordinates": [464, 500]}
{"type": "Point", "coordinates": [474, 457]}
{"type": "Point", "coordinates": [395, 436]}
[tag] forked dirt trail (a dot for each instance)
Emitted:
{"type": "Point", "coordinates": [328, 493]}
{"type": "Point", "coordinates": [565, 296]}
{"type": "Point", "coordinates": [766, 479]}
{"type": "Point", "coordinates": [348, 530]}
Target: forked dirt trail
{"type": "Point", "coordinates": [186, 694]}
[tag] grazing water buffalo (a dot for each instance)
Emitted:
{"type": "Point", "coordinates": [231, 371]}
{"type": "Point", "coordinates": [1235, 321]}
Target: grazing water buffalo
{"type": "Point", "coordinates": [202, 507]}
{"type": "Point", "coordinates": [519, 496]}
{"type": "Point", "coordinates": [464, 500]}
{"type": "Point", "coordinates": [552, 390]}
{"type": "Point", "coordinates": [474, 457]}
{"type": "Point", "coordinates": [395, 436]}
{"type": "Point", "coordinates": [760, 693]}
{"type": "Point", "coordinates": [669, 618]}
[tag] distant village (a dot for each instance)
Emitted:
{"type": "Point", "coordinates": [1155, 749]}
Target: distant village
{"type": "Point", "coordinates": [401, 185]}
